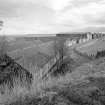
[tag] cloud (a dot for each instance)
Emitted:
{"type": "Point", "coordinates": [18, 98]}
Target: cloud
{"type": "Point", "coordinates": [7, 8]}
{"type": "Point", "coordinates": [91, 14]}
{"type": "Point", "coordinates": [59, 5]}
{"type": "Point", "coordinates": [52, 16]}
{"type": "Point", "coordinates": [25, 16]}
{"type": "Point", "coordinates": [94, 13]}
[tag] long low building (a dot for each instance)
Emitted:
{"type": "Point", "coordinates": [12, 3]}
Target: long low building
{"type": "Point", "coordinates": [72, 35]}
{"type": "Point", "coordinates": [79, 37]}
{"type": "Point", "coordinates": [76, 35]}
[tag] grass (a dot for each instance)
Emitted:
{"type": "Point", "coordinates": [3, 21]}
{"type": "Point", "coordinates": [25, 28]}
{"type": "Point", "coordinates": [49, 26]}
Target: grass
{"type": "Point", "coordinates": [61, 90]}
{"type": "Point", "coordinates": [83, 86]}
{"type": "Point", "coordinates": [30, 48]}
{"type": "Point", "coordinates": [98, 45]}
{"type": "Point", "coordinates": [35, 54]}
{"type": "Point", "coordinates": [19, 91]}
{"type": "Point", "coordinates": [19, 44]}
{"type": "Point", "coordinates": [58, 92]}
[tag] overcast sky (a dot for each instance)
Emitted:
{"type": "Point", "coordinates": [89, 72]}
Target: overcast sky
{"type": "Point", "coordinates": [52, 16]}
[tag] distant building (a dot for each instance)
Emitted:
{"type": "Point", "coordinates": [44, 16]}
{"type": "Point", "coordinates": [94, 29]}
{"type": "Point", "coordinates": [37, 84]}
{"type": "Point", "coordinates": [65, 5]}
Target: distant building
{"type": "Point", "coordinates": [97, 35]}
{"type": "Point", "coordinates": [89, 36]}
{"type": "Point", "coordinates": [80, 37]}
{"type": "Point", "coordinates": [73, 35]}
{"type": "Point", "coordinates": [73, 38]}
{"type": "Point", "coordinates": [70, 42]}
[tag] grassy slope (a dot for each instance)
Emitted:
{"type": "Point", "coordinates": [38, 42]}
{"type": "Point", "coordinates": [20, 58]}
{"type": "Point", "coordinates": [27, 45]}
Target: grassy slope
{"type": "Point", "coordinates": [76, 88]}
{"type": "Point", "coordinates": [92, 47]}
{"type": "Point", "coordinates": [32, 54]}
{"type": "Point", "coordinates": [19, 44]}
{"type": "Point", "coordinates": [31, 48]}
{"type": "Point", "coordinates": [72, 89]}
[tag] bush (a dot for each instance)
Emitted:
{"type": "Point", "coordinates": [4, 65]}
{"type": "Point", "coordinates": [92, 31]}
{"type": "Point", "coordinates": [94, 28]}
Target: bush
{"type": "Point", "coordinates": [100, 54]}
